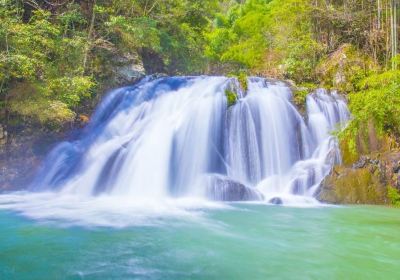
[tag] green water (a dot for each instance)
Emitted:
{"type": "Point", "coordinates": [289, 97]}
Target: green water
{"type": "Point", "coordinates": [244, 242]}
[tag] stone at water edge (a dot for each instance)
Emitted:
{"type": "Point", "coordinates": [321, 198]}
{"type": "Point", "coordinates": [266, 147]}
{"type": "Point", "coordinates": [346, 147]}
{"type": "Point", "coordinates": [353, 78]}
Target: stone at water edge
{"type": "Point", "coordinates": [222, 188]}
{"type": "Point", "coordinates": [3, 136]}
{"type": "Point", "coordinates": [276, 201]}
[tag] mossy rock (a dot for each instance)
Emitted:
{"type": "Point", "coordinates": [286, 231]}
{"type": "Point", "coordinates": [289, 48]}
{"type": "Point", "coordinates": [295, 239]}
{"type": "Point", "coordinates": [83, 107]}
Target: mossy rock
{"type": "Point", "coordinates": [299, 97]}
{"type": "Point", "coordinates": [242, 78]}
{"type": "Point", "coordinates": [365, 141]}
{"type": "Point", "coordinates": [353, 186]}
{"type": "Point", "coordinates": [300, 94]}
{"type": "Point", "coordinates": [348, 150]}
{"type": "Point", "coordinates": [344, 68]}
{"type": "Point", "coordinates": [231, 97]}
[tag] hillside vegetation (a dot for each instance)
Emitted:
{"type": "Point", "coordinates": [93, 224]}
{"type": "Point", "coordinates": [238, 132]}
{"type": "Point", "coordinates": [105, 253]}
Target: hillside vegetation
{"type": "Point", "coordinates": [56, 56]}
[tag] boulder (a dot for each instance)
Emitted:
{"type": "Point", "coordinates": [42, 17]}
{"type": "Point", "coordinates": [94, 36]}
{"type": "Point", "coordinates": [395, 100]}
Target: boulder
{"type": "Point", "coordinates": [222, 188]}
{"type": "Point", "coordinates": [128, 69]}
{"type": "Point", "coordinates": [346, 185]}
{"type": "Point", "coordinates": [3, 136]}
{"type": "Point", "coordinates": [276, 201]}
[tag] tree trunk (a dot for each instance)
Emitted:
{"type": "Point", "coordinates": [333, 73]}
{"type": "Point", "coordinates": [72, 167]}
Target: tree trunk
{"type": "Point", "coordinates": [393, 31]}
{"type": "Point", "coordinates": [379, 14]}
{"type": "Point", "coordinates": [89, 36]}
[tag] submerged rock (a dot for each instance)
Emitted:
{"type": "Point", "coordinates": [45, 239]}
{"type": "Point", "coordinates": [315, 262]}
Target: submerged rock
{"type": "Point", "coordinates": [276, 201]}
{"type": "Point", "coordinates": [222, 188]}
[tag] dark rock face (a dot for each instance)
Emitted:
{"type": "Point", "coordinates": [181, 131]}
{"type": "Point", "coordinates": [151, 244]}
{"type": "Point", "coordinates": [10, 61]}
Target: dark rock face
{"type": "Point", "coordinates": [276, 201]}
{"type": "Point", "coordinates": [221, 188]}
{"type": "Point", "coordinates": [21, 156]}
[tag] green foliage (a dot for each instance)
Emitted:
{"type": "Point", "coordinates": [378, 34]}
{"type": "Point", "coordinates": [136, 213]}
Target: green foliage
{"type": "Point", "coordinates": [52, 57]}
{"type": "Point", "coordinates": [270, 37]}
{"type": "Point", "coordinates": [170, 30]}
{"type": "Point", "coordinates": [375, 105]}
{"type": "Point", "coordinates": [231, 97]}
{"type": "Point", "coordinates": [393, 196]}
{"type": "Point", "coordinates": [242, 78]}
{"type": "Point", "coordinates": [70, 90]}
{"type": "Point", "coordinates": [45, 56]}
{"type": "Point", "coordinates": [55, 56]}
{"type": "Point", "coordinates": [29, 102]}
{"type": "Point", "coordinates": [237, 37]}
{"type": "Point", "coordinates": [139, 32]}
{"type": "Point", "coordinates": [378, 100]}
{"type": "Point", "coordinates": [345, 68]}
{"type": "Point", "coordinates": [300, 96]}
{"type": "Point", "coordinates": [302, 58]}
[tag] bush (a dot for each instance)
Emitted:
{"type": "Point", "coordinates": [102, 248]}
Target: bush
{"type": "Point", "coordinates": [231, 97]}
{"type": "Point", "coordinates": [393, 196]}
{"type": "Point", "coordinates": [345, 68]}
{"type": "Point", "coordinates": [375, 105]}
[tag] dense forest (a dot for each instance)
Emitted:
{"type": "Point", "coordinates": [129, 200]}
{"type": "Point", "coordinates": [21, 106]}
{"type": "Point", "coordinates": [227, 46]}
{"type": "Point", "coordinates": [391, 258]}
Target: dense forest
{"type": "Point", "coordinates": [57, 56]}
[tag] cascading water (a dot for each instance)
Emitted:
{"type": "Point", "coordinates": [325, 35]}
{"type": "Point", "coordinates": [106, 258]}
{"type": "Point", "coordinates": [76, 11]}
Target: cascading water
{"type": "Point", "coordinates": [177, 137]}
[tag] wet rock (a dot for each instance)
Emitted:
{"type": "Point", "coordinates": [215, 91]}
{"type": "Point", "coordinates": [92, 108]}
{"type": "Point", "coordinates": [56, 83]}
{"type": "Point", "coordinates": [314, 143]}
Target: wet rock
{"type": "Point", "coordinates": [296, 188]}
{"type": "Point", "coordinates": [128, 69]}
{"type": "Point", "coordinates": [3, 136]}
{"type": "Point", "coordinates": [21, 156]}
{"type": "Point", "coordinates": [276, 201]}
{"type": "Point", "coordinates": [396, 167]}
{"type": "Point", "coordinates": [353, 186]}
{"type": "Point", "coordinates": [222, 188]}
{"type": "Point", "coordinates": [332, 158]}
{"type": "Point", "coordinates": [365, 182]}
{"type": "Point", "coordinates": [362, 162]}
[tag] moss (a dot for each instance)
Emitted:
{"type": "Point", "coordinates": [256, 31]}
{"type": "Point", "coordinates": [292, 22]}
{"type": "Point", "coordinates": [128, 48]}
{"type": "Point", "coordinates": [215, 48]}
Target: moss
{"type": "Point", "coordinates": [299, 96]}
{"type": "Point", "coordinates": [300, 93]}
{"type": "Point", "coordinates": [353, 186]}
{"type": "Point", "coordinates": [348, 149]}
{"type": "Point", "coordinates": [364, 141]}
{"type": "Point", "coordinates": [394, 196]}
{"type": "Point", "coordinates": [231, 97]}
{"type": "Point", "coordinates": [242, 78]}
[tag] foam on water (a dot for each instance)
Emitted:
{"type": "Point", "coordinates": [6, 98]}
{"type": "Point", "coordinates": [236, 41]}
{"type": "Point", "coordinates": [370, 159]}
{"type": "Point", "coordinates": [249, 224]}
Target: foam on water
{"type": "Point", "coordinates": [105, 211]}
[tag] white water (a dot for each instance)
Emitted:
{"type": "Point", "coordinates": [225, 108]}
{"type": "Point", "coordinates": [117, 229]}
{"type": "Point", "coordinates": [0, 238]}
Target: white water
{"type": "Point", "coordinates": [160, 139]}
{"type": "Point", "coordinates": [169, 138]}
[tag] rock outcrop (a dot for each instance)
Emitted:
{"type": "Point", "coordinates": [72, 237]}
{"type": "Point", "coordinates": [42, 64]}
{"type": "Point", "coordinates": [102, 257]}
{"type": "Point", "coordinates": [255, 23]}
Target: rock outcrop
{"type": "Point", "coordinates": [365, 182]}
{"type": "Point", "coordinates": [128, 69]}
{"type": "Point", "coordinates": [276, 201]}
{"type": "Point", "coordinates": [22, 155]}
{"type": "Point", "coordinates": [3, 137]}
{"type": "Point", "coordinates": [221, 188]}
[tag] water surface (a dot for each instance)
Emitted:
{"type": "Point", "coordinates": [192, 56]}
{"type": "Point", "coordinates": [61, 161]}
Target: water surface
{"type": "Point", "coordinates": [236, 241]}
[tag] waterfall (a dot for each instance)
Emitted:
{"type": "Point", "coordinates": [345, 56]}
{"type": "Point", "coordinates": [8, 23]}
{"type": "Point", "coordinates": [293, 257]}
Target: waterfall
{"type": "Point", "coordinates": [179, 137]}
